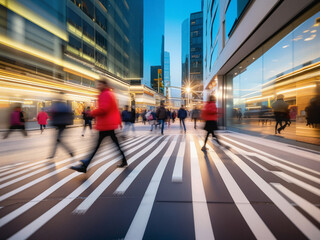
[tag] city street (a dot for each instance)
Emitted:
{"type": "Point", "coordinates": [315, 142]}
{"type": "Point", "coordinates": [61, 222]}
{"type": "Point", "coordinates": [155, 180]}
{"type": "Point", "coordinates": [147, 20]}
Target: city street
{"type": "Point", "coordinates": [247, 188]}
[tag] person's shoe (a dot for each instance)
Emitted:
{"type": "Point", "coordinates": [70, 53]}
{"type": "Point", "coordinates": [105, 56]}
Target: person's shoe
{"type": "Point", "coordinates": [50, 157]}
{"type": "Point", "coordinates": [71, 154]}
{"type": "Point", "coordinates": [279, 130]}
{"type": "Point", "coordinates": [82, 135]}
{"type": "Point", "coordinates": [79, 168]}
{"type": "Point", "coordinates": [204, 149]}
{"type": "Point", "coordinates": [123, 164]}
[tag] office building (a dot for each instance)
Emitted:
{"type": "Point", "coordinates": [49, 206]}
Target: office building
{"type": "Point", "coordinates": [153, 37]}
{"type": "Point", "coordinates": [166, 73]}
{"type": "Point", "coordinates": [256, 51]}
{"type": "Point", "coordinates": [156, 79]}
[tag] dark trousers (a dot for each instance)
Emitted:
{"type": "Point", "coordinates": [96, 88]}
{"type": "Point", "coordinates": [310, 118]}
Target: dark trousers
{"type": "Point", "coordinates": [102, 135]}
{"type": "Point", "coordinates": [162, 125]}
{"type": "Point", "coordinates": [195, 123]}
{"type": "Point", "coordinates": [182, 121]}
{"type": "Point", "coordinates": [213, 136]}
{"type": "Point", "coordinates": [16, 127]}
{"type": "Point", "coordinates": [42, 126]}
{"type": "Point", "coordinates": [60, 130]}
{"type": "Point", "coordinates": [280, 117]}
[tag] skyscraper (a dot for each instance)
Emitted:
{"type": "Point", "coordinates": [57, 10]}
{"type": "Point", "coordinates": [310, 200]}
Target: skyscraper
{"type": "Point", "coordinates": [191, 54]}
{"type": "Point", "coordinates": [166, 73]}
{"type": "Point", "coordinates": [196, 55]}
{"type": "Point", "coordinates": [153, 37]}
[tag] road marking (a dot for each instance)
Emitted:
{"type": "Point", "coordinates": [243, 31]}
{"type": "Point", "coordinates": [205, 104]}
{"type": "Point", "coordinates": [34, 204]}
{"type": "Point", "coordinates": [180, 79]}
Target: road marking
{"type": "Point", "coordinates": [178, 167]}
{"type": "Point", "coordinates": [34, 226]}
{"type": "Point", "coordinates": [301, 184]}
{"type": "Point", "coordinates": [202, 222]}
{"type": "Point", "coordinates": [34, 182]}
{"type": "Point", "coordinates": [6, 167]}
{"type": "Point", "coordinates": [255, 223]}
{"type": "Point", "coordinates": [138, 169]}
{"type": "Point", "coordinates": [308, 207]}
{"type": "Point", "coordinates": [300, 221]}
{"type": "Point", "coordinates": [141, 218]}
{"type": "Point", "coordinates": [279, 146]}
{"type": "Point", "coordinates": [271, 156]}
{"type": "Point", "coordinates": [87, 203]}
{"type": "Point", "coordinates": [274, 163]}
{"type": "Point", "coordinates": [45, 194]}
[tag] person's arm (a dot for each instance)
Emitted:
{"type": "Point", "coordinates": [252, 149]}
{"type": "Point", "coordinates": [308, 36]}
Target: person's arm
{"type": "Point", "coordinates": [104, 106]}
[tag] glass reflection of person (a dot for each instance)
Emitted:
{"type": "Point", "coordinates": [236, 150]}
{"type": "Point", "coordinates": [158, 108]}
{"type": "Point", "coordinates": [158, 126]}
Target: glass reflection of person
{"type": "Point", "coordinates": [280, 109]}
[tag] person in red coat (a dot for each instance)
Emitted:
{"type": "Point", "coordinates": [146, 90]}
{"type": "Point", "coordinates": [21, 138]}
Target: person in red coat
{"type": "Point", "coordinates": [42, 120]}
{"type": "Point", "coordinates": [107, 120]}
{"type": "Point", "coordinates": [210, 115]}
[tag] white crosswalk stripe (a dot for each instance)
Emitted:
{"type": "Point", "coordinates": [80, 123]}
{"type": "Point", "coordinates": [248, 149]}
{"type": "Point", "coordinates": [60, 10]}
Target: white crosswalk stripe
{"type": "Point", "coordinates": [202, 222]}
{"type": "Point", "coordinates": [256, 224]}
{"type": "Point", "coordinates": [300, 221]}
{"type": "Point", "coordinates": [178, 167]}
{"type": "Point", "coordinates": [86, 204]}
{"type": "Point", "coordinates": [160, 152]}
{"type": "Point", "coordinates": [140, 221]}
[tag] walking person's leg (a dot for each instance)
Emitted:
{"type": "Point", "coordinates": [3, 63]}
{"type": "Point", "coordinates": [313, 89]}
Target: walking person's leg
{"type": "Point", "coordinates": [23, 130]}
{"type": "Point", "coordinates": [162, 125]}
{"type": "Point", "coordinates": [84, 129]}
{"type": "Point", "coordinates": [205, 142]}
{"type": "Point", "coordinates": [85, 163]}
{"type": "Point", "coordinates": [64, 145]}
{"type": "Point", "coordinates": [184, 125]}
{"type": "Point", "coordinates": [10, 130]}
{"type": "Point", "coordinates": [116, 142]}
{"type": "Point", "coordinates": [57, 141]}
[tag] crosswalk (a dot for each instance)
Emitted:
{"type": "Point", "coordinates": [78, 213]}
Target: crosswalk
{"type": "Point", "coordinates": [259, 194]}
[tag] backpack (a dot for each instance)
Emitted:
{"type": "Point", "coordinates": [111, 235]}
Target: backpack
{"type": "Point", "coordinates": [150, 117]}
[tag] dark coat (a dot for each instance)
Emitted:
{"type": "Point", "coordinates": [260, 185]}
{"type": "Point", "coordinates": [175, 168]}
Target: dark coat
{"type": "Point", "coordinates": [161, 113]}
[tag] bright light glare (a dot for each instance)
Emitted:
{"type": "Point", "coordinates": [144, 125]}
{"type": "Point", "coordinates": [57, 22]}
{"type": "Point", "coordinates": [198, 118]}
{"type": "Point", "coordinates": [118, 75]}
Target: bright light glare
{"type": "Point", "coordinates": [188, 89]}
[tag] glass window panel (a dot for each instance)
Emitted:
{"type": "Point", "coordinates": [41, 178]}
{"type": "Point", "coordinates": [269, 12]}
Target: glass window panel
{"type": "Point", "coordinates": [231, 17]}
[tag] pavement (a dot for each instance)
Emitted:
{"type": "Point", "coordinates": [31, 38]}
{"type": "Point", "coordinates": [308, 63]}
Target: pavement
{"type": "Point", "coordinates": [247, 188]}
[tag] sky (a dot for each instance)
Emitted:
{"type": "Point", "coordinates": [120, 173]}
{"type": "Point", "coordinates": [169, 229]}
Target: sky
{"type": "Point", "coordinates": [176, 11]}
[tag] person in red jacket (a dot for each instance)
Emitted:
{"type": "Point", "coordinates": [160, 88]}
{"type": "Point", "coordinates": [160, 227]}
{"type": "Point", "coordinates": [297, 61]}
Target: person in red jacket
{"type": "Point", "coordinates": [107, 120]}
{"type": "Point", "coordinates": [210, 115]}
{"type": "Point", "coordinates": [42, 120]}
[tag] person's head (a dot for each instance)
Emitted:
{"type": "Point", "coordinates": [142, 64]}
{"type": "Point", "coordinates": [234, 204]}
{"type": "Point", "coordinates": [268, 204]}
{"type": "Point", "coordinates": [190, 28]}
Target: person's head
{"type": "Point", "coordinates": [42, 109]}
{"type": "Point", "coordinates": [280, 97]}
{"type": "Point", "coordinates": [212, 98]}
{"type": "Point", "coordinates": [102, 84]}
{"type": "Point", "coordinates": [88, 108]}
{"type": "Point", "coordinates": [126, 107]}
{"type": "Point", "coordinates": [182, 106]}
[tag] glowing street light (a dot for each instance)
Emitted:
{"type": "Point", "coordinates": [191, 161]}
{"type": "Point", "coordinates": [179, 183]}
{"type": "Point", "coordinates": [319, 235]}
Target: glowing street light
{"type": "Point", "coordinates": [188, 89]}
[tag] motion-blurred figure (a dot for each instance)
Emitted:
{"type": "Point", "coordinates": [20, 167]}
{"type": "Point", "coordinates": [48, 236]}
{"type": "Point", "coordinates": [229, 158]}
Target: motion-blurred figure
{"type": "Point", "coordinates": [195, 115]}
{"type": "Point", "coordinates": [62, 116]}
{"type": "Point", "coordinates": [174, 115]}
{"type": "Point", "coordinates": [128, 118]}
{"type": "Point", "coordinates": [182, 114]}
{"type": "Point", "coordinates": [239, 114]}
{"type": "Point", "coordinates": [280, 109]}
{"type": "Point", "coordinates": [168, 117]}
{"type": "Point", "coordinates": [108, 119]}
{"type": "Point", "coordinates": [42, 119]}
{"type": "Point", "coordinates": [161, 116]}
{"type": "Point", "coordinates": [17, 122]}
{"type": "Point", "coordinates": [210, 115]}
{"type": "Point", "coordinates": [144, 119]}
{"type": "Point", "coordinates": [313, 110]}
{"type": "Point", "coordinates": [87, 118]}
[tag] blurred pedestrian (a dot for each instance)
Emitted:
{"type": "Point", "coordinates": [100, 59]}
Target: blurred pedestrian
{"type": "Point", "coordinates": [108, 119]}
{"type": "Point", "coordinates": [17, 122]}
{"type": "Point", "coordinates": [87, 118]}
{"type": "Point", "coordinates": [62, 116]}
{"type": "Point", "coordinates": [168, 117]}
{"type": "Point", "coordinates": [195, 115]}
{"type": "Point", "coordinates": [182, 114]}
{"type": "Point", "coordinates": [42, 119]}
{"type": "Point", "coordinates": [174, 115]}
{"type": "Point", "coordinates": [144, 119]}
{"type": "Point", "coordinates": [161, 116]}
{"type": "Point", "coordinates": [128, 119]}
{"type": "Point", "coordinates": [210, 115]}
{"type": "Point", "coordinates": [239, 114]}
{"type": "Point", "coordinates": [280, 109]}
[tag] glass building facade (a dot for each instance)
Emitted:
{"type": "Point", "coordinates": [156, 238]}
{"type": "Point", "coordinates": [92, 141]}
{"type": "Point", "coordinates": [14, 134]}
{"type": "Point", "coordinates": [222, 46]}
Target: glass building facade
{"type": "Point", "coordinates": [287, 65]}
{"type": "Point", "coordinates": [196, 54]}
{"type": "Point", "coordinates": [166, 73]}
{"type": "Point", "coordinates": [185, 52]}
{"type": "Point", "coordinates": [153, 37]}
